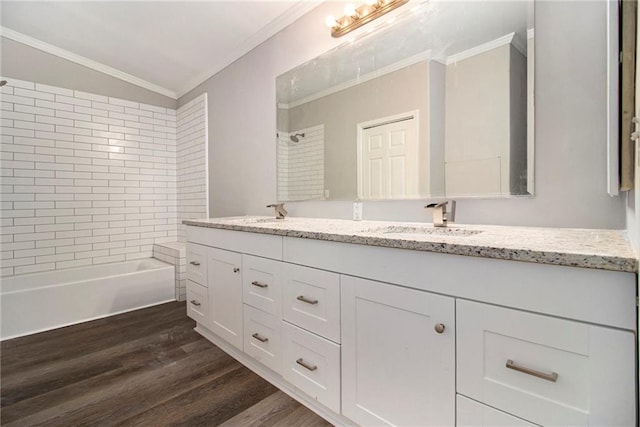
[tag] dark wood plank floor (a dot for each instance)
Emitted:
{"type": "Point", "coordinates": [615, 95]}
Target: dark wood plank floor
{"type": "Point", "coordinates": [143, 368]}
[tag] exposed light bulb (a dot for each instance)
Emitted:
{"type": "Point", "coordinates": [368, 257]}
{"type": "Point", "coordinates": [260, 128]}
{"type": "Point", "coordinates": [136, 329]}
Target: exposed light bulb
{"type": "Point", "coordinates": [350, 9]}
{"type": "Point", "coordinates": [330, 21]}
{"type": "Point", "coordinates": [354, 16]}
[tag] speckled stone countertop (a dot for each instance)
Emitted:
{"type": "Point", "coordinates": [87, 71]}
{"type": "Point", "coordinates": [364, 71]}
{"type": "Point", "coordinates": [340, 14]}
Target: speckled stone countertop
{"type": "Point", "coordinates": [599, 249]}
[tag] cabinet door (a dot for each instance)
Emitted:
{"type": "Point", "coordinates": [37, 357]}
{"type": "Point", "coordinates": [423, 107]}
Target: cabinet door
{"type": "Point", "coordinates": [262, 337]}
{"type": "Point", "coordinates": [198, 303]}
{"type": "Point", "coordinates": [473, 414]}
{"type": "Point", "coordinates": [312, 364]}
{"type": "Point", "coordinates": [396, 368]}
{"type": "Point", "coordinates": [225, 294]}
{"type": "Point", "coordinates": [197, 263]}
{"type": "Point", "coordinates": [262, 284]}
{"type": "Point", "coordinates": [543, 369]}
{"type": "Point", "coordinates": [312, 300]}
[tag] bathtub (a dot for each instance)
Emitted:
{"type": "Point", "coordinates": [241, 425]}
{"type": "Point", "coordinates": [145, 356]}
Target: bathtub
{"type": "Point", "coordinates": [38, 302]}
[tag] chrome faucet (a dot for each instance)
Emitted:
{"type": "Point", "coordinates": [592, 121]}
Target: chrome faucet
{"type": "Point", "coordinates": [440, 215]}
{"type": "Point", "coordinates": [281, 212]}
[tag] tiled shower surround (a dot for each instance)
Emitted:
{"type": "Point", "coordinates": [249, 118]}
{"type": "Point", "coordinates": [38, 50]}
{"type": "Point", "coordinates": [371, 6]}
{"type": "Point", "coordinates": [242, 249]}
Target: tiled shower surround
{"type": "Point", "coordinates": [86, 179]}
{"type": "Point", "coordinates": [301, 165]}
{"type": "Point", "coordinates": [192, 162]}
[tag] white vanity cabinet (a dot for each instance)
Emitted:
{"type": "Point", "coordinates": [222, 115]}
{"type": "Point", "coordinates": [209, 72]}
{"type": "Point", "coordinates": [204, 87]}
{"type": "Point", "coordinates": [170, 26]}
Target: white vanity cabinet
{"type": "Point", "coordinates": [370, 335]}
{"type": "Point", "coordinates": [197, 292]}
{"type": "Point", "coordinates": [198, 303]}
{"type": "Point", "coordinates": [262, 284]}
{"type": "Point", "coordinates": [225, 294]}
{"type": "Point", "coordinates": [262, 298]}
{"type": "Point", "coordinates": [398, 355]}
{"type": "Point", "coordinates": [470, 413]}
{"type": "Point", "coordinates": [543, 369]}
{"type": "Point", "coordinates": [312, 364]}
{"type": "Point", "coordinates": [312, 300]}
{"type": "Point", "coordinates": [263, 338]}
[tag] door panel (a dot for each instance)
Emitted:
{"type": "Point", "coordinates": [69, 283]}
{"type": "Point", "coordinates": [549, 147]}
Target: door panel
{"type": "Point", "coordinates": [396, 369]}
{"type": "Point", "coordinates": [225, 294]}
{"type": "Point", "coordinates": [389, 160]}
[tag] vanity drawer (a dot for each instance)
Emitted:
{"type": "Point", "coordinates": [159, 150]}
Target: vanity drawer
{"type": "Point", "coordinates": [312, 300]}
{"type": "Point", "coordinates": [197, 263]}
{"type": "Point", "coordinates": [470, 413]}
{"type": "Point", "coordinates": [546, 370]}
{"type": "Point", "coordinates": [262, 284]}
{"type": "Point", "coordinates": [198, 302]}
{"type": "Point", "coordinates": [312, 364]}
{"type": "Point", "coordinates": [263, 338]}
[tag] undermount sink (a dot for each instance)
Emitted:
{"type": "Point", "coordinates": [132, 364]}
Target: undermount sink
{"type": "Point", "coordinates": [434, 231]}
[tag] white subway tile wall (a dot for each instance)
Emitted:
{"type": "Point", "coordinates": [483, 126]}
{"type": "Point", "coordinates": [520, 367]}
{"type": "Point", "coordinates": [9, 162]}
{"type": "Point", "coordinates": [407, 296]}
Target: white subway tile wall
{"type": "Point", "coordinates": [175, 253]}
{"type": "Point", "coordinates": [301, 165]}
{"type": "Point", "coordinates": [85, 179]}
{"type": "Point", "coordinates": [192, 162]}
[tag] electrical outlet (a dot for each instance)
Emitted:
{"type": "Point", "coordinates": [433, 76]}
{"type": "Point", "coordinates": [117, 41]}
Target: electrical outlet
{"type": "Point", "coordinates": [357, 211]}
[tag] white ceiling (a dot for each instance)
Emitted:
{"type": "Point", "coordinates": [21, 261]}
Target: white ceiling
{"type": "Point", "coordinates": [166, 46]}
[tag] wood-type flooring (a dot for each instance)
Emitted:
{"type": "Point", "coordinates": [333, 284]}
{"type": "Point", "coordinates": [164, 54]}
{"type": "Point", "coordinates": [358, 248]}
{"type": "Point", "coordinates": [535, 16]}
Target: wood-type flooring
{"type": "Point", "coordinates": [143, 368]}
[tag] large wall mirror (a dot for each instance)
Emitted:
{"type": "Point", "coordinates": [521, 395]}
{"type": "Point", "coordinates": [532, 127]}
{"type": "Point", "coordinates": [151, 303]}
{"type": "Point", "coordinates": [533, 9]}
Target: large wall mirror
{"type": "Point", "coordinates": [438, 103]}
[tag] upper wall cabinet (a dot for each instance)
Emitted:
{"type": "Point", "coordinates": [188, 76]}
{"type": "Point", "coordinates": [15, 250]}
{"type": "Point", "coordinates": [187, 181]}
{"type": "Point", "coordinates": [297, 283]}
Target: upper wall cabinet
{"type": "Point", "coordinates": [437, 103]}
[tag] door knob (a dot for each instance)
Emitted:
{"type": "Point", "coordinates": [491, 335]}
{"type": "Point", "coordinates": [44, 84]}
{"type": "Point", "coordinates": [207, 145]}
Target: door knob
{"type": "Point", "coordinates": [439, 328]}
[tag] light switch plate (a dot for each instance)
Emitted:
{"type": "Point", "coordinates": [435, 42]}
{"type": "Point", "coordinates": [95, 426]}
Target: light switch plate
{"type": "Point", "coordinates": [357, 211]}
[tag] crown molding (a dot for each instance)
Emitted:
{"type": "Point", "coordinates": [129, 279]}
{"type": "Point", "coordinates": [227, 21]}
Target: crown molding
{"type": "Point", "coordinates": [531, 33]}
{"type": "Point", "coordinates": [511, 38]}
{"type": "Point", "coordinates": [302, 7]}
{"type": "Point", "coordinates": [81, 60]}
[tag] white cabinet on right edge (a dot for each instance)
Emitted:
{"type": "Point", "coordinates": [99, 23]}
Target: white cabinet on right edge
{"type": "Point", "coordinates": [546, 370]}
{"type": "Point", "coordinates": [398, 353]}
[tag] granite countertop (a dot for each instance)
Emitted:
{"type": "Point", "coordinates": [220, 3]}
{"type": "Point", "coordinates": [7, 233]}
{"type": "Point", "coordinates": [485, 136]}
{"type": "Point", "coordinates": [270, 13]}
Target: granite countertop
{"type": "Point", "coordinates": [599, 249]}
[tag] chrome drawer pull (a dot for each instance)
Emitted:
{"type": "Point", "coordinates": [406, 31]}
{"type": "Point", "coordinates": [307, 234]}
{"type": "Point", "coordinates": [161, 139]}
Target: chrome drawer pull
{"type": "Point", "coordinates": [307, 300]}
{"type": "Point", "coordinates": [236, 269]}
{"type": "Point", "coordinates": [553, 376]}
{"type": "Point", "coordinates": [259, 338]}
{"type": "Point", "coordinates": [302, 363]}
{"type": "Point", "coordinates": [260, 285]}
{"type": "Point", "coordinates": [196, 263]}
{"type": "Point", "coordinates": [195, 302]}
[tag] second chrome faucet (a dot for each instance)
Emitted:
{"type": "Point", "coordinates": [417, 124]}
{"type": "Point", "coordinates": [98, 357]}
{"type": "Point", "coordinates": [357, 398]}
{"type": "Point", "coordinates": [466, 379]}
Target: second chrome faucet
{"type": "Point", "coordinates": [281, 212]}
{"type": "Point", "coordinates": [440, 215]}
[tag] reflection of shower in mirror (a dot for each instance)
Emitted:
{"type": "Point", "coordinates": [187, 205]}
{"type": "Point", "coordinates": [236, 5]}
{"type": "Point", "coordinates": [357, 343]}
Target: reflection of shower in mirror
{"type": "Point", "coordinates": [294, 138]}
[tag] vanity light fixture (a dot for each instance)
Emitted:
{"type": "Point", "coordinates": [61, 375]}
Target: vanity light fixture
{"type": "Point", "coordinates": [355, 17]}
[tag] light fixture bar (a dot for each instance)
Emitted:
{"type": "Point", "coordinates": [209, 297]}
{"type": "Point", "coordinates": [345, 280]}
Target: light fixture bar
{"type": "Point", "coordinates": [363, 15]}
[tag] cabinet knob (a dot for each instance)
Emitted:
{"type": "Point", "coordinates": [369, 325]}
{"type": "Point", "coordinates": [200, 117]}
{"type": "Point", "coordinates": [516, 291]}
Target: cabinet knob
{"type": "Point", "coordinates": [236, 269]}
{"type": "Point", "coordinates": [439, 328]}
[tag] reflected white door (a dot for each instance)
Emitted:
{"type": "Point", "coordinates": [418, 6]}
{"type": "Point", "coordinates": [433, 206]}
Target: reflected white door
{"type": "Point", "coordinates": [388, 160]}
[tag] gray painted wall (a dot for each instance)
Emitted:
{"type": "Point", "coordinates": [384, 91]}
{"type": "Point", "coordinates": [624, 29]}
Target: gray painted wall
{"type": "Point", "coordinates": [27, 63]}
{"type": "Point", "coordinates": [570, 127]}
